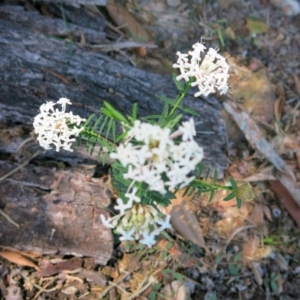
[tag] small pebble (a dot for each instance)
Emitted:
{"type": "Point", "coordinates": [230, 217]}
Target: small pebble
{"type": "Point", "coordinates": [276, 212]}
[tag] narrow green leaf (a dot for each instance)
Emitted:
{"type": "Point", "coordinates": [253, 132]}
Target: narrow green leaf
{"type": "Point", "coordinates": [215, 176]}
{"type": "Point", "coordinates": [106, 112]}
{"type": "Point", "coordinates": [115, 113]}
{"type": "Point", "coordinates": [109, 127]}
{"type": "Point", "coordinates": [97, 123]}
{"type": "Point", "coordinates": [121, 137]}
{"type": "Point", "coordinates": [89, 120]}
{"type": "Point", "coordinates": [178, 276]}
{"type": "Point", "coordinates": [103, 125]}
{"type": "Point", "coordinates": [230, 196]}
{"type": "Point", "coordinates": [207, 174]}
{"type": "Point", "coordinates": [238, 202]}
{"type": "Point", "coordinates": [199, 170]}
{"type": "Point", "coordinates": [134, 111]}
{"type": "Point", "coordinates": [178, 84]}
{"type": "Point", "coordinates": [114, 131]}
{"type": "Point", "coordinates": [211, 196]}
{"type": "Point", "coordinates": [233, 183]}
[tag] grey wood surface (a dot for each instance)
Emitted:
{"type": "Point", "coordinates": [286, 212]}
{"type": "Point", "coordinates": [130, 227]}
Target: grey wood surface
{"type": "Point", "coordinates": [39, 63]}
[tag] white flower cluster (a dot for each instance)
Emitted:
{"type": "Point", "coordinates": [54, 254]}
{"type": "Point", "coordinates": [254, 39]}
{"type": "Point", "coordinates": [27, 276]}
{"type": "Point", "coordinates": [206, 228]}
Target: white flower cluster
{"type": "Point", "coordinates": [136, 220]}
{"type": "Point", "coordinates": [57, 127]}
{"type": "Point", "coordinates": [210, 74]}
{"type": "Point", "coordinates": [154, 153]}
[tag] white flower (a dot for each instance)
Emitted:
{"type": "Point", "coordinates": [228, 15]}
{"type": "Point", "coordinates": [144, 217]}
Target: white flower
{"type": "Point", "coordinates": [106, 222]}
{"type": "Point", "coordinates": [149, 239]}
{"type": "Point", "coordinates": [139, 222]}
{"type": "Point", "coordinates": [131, 198]}
{"type": "Point", "coordinates": [209, 74]}
{"type": "Point", "coordinates": [156, 155]}
{"type": "Point", "coordinates": [188, 130]}
{"type": "Point", "coordinates": [164, 224]}
{"type": "Point", "coordinates": [126, 235]}
{"type": "Point", "coordinates": [57, 127]}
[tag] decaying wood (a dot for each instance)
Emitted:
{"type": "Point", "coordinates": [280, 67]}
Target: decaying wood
{"type": "Point", "coordinates": [36, 67]}
{"type": "Point", "coordinates": [57, 212]}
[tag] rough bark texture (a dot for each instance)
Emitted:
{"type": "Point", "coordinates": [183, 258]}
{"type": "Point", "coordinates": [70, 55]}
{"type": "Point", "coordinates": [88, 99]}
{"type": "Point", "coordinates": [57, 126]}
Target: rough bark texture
{"type": "Point", "coordinates": [57, 212]}
{"type": "Point", "coordinates": [35, 67]}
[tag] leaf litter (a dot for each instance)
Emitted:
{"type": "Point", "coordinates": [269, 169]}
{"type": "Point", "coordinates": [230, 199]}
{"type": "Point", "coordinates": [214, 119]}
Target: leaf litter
{"type": "Point", "coordinates": [252, 252]}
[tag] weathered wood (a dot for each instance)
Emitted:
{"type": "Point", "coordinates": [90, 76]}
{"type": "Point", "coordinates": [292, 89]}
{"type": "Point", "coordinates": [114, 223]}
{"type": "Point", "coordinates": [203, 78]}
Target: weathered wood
{"type": "Point", "coordinates": [57, 211]}
{"type": "Point", "coordinates": [36, 67]}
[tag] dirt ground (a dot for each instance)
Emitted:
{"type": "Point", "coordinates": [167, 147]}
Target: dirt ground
{"type": "Point", "coordinates": [252, 252]}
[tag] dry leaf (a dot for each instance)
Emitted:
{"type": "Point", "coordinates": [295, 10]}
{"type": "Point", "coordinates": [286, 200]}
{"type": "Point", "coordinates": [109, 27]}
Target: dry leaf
{"type": "Point", "coordinates": [30, 254]}
{"type": "Point", "coordinates": [51, 269]}
{"type": "Point", "coordinates": [124, 19]}
{"type": "Point", "coordinates": [256, 26]}
{"type": "Point", "coordinates": [257, 215]}
{"type": "Point", "coordinates": [185, 222]}
{"type": "Point", "coordinates": [292, 186]}
{"type": "Point", "coordinates": [256, 138]}
{"type": "Point", "coordinates": [177, 290]}
{"type": "Point", "coordinates": [287, 200]}
{"type": "Point", "coordinates": [18, 259]}
{"type": "Point", "coordinates": [256, 273]}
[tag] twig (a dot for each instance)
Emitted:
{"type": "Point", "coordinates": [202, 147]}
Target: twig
{"type": "Point", "coordinates": [101, 296]}
{"type": "Point", "coordinates": [238, 230]}
{"type": "Point", "coordinates": [20, 166]}
{"type": "Point", "coordinates": [40, 291]}
{"type": "Point", "coordinates": [8, 218]}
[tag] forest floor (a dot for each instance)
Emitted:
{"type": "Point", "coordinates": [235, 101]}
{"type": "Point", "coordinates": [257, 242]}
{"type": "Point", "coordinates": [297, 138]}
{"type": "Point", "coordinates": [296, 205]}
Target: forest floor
{"type": "Point", "coordinates": [252, 252]}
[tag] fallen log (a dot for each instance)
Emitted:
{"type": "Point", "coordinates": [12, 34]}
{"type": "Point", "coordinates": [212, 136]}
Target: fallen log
{"type": "Point", "coordinates": [39, 63]}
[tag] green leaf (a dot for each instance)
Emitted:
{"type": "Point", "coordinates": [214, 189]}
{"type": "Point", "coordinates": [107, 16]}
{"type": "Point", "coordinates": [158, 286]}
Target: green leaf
{"type": "Point", "coordinates": [215, 176]}
{"type": "Point", "coordinates": [106, 112]}
{"type": "Point", "coordinates": [233, 270]}
{"type": "Point", "coordinates": [207, 174]}
{"type": "Point", "coordinates": [238, 202]}
{"type": "Point", "coordinates": [178, 84]}
{"type": "Point", "coordinates": [114, 113]}
{"type": "Point", "coordinates": [233, 183]}
{"type": "Point", "coordinates": [134, 111]}
{"type": "Point", "coordinates": [230, 196]}
{"type": "Point", "coordinates": [121, 137]}
{"type": "Point", "coordinates": [109, 127]}
{"type": "Point", "coordinates": [178, 276]}
{"type": "Point", "coordinates": [218, 258]}
{"type": "Point", "coordinates": [152, 296]}
{"type": "Point", "coordinates": [114, 131]}
{"type": "Point", "coordinates": [274, 286]}
{"type": "Point", "coordinates": [103, 125]}
{"type": "Point", "coordinates": [97, 123]}
{"type": "Point", "coordinates": [89, 120]}
{"type": "Point", "coordinates": [237, 257]}
{"type": "Point", "coordinates": [211, 196]}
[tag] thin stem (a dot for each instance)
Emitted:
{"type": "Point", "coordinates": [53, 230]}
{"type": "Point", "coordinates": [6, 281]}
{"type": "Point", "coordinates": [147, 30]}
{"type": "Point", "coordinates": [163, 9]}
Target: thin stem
{"type": "Point", "coordinates": [213, 185]}
{"type": "Point", "coordinates": [180, 97]}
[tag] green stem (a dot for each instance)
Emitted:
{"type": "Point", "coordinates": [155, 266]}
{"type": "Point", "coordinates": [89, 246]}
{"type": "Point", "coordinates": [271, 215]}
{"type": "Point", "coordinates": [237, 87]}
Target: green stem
{"type": "Point", "coordinates": [213, 185]}
{"type": "Point", "coordinates": [180, 97]}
